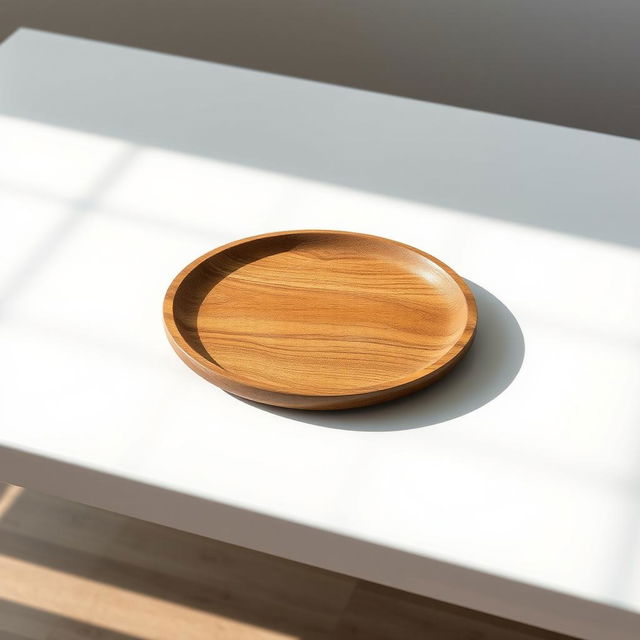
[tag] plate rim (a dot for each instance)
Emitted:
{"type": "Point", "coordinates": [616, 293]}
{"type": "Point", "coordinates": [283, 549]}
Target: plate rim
{"type": "Point", "coordinates": [202, 365]}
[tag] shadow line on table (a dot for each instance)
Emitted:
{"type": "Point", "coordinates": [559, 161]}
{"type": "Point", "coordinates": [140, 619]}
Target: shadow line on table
{"type": "Point", "coordinates": [502, 168]}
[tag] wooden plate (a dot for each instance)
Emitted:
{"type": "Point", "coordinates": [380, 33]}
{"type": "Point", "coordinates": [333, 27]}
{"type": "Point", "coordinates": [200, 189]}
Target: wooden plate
{"type": "Point", "coordinates": [319, 319]}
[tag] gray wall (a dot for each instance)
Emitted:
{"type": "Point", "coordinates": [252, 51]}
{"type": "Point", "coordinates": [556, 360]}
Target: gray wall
{"type": "Point", "coordinates": [569, 62]}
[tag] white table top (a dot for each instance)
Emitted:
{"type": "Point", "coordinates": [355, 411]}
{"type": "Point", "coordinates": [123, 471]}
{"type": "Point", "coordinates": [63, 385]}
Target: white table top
{"type": "Point", "coordinates": [512, 486]}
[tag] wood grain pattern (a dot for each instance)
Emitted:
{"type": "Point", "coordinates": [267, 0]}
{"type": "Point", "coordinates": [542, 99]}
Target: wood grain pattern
{"type": "Point", "coordinates": [319, 319]}
{"type": "Point", "coordinates": [71, 572]}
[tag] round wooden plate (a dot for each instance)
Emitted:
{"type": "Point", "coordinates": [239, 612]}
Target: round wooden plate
{"type": "Point", "coordinates": [319, 319]}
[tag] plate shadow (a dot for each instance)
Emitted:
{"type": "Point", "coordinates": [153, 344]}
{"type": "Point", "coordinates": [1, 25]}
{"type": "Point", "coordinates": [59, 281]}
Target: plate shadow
{"type": "Point", "coordinates": [492, 363]}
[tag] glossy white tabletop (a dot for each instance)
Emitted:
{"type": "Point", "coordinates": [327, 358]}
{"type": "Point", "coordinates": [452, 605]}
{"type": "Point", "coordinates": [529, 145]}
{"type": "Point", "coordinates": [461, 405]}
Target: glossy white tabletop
{"type": "Point", "coordinates": [512, 486]}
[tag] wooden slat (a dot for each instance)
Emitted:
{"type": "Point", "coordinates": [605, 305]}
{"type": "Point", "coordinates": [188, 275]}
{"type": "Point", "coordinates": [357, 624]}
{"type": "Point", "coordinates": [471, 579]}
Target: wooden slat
{"type": "Point", "coordinates": [236, 582]}
{"type": "Point", "coordinates": [61, 522]}
{"type": "Point", "coordinates": [104, 606]}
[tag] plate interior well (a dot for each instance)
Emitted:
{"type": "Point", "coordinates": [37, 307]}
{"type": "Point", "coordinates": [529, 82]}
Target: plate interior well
{"type": "Point", "coordinates": [320, 313]}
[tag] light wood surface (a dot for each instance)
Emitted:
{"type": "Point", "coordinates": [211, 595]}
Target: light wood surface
{"type": "Point", "coordinates": [319, 319]}
{"type": "Point", "coordinates": [70, 572]}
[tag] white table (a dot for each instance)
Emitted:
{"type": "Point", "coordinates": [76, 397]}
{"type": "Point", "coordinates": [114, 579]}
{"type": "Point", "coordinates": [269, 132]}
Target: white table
{"type": "Point", "coordinates": [511, 487]}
